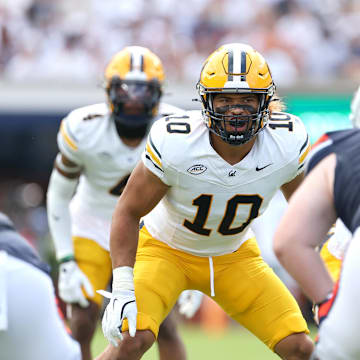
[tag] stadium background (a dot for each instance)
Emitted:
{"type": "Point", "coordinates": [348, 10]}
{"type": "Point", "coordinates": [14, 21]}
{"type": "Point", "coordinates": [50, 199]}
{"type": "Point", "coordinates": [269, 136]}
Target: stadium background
{"type": "Point", "coordinates": [53, 53]}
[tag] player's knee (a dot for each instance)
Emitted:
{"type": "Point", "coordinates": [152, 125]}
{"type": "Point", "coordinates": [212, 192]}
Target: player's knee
{"type": "Point", "coordinates": [134, 347]}
{"type": "Point", "coordinates": [83, 322]}
{"type": "Point", "coordinates": [295, 347]}
{"type": "Point", "coordinates": [82, 329]}
{"type": "Point", "coordinates": [168, 330]}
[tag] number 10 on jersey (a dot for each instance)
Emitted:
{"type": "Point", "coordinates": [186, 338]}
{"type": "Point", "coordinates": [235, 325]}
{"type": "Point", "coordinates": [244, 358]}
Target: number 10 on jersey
{"type": "Point", "coordinates": [203, 202]}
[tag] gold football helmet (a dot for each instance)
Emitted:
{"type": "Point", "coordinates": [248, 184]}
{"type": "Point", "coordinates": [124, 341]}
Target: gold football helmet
{"type": "Point", "coordinates": [235, 69]}
{"type": "Point", "coordinates": [133, 81]}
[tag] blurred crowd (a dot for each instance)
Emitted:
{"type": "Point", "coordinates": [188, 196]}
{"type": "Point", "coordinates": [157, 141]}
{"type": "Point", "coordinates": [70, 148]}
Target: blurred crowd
{"type": "Point", "coordinates": [72, 40]}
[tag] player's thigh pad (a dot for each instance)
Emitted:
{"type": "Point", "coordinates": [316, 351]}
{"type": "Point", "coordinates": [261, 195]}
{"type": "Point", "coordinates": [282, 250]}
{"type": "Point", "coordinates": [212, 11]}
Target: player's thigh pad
{"type": "Point", "coordinates": [250, 292]}
{"type": "Point", "coordinates": [159, 279]}
{"type": "Point", "coordinates": [95, 262]}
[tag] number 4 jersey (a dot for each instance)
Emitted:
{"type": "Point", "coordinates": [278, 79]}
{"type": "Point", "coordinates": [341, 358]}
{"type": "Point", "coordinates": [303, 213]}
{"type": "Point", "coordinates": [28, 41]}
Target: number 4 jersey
{"type": "Point", "coordinates": [210, 203]}
{"type": "Point", "coordinates": [89, 138]}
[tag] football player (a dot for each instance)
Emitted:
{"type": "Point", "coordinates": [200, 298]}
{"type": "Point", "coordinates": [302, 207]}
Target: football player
{"type": "Point", "coordinates": [330, 190]}
{"type": "Point", "coordinates": [99, 147]}
{"type": "Point", "coordinates": [339, 236]}
{"type": "Point", "coordinates": [30, 325]}
{"type": "Point", "coordinates": [204, 177]}
{"type": "Point", "coordinates": [334, 249]}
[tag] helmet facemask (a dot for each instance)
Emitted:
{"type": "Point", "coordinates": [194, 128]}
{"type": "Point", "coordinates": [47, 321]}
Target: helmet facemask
{"type": "Point", "coordinates": [219, 123]}
{"type": "Point", "coordinates": [133, 105]}
{"type": "Point", "coordinates": [236, 69]}
{"type": "Point", "coordinates": [133, 79]}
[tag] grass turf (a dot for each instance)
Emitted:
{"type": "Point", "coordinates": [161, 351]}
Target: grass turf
{"type": "Point", "coordinates": [233, 344]}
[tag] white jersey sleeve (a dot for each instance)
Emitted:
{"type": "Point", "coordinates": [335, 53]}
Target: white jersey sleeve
{"type": "Point", "coordinates": [74, 130]}
{"type": "Point", "coordinates": [292, 135]}
{"type": "Point", "coordinates": [166, 109]}
{"type": "Point", "coordinates": [156, 143]}
{"type": "Point", "coordinates": [67, 140]}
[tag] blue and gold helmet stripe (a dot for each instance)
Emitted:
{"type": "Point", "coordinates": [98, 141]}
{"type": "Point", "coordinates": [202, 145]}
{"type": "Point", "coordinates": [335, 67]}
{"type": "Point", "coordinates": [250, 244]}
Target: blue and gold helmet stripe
{"type": "Point", "coordinates": [230, 65]}
{"type": "Point", "coordinates": [243, 66]}
{"type": "Point", "coordinates": [131, 62]}
{"type": "Point", "coordinates": [236, 64]}
{"type": "Point", "coordinates": [137, 62]}
{"type": "Point", "coordinates": [142, 63]}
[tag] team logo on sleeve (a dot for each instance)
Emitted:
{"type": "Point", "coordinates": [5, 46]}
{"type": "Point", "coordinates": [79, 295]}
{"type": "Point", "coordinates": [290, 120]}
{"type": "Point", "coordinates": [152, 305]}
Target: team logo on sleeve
{"type": "Point", "coordinates": [197, 169]}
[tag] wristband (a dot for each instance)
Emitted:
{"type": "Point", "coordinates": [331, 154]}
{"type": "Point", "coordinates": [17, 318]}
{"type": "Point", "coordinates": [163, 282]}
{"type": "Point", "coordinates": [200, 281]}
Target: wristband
{"type": "Point", "coordinates": [123, 278]}
{"type": "Point", "coordinates": [66, 259]}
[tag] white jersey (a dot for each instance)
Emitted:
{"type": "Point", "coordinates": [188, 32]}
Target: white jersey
{"type": "Point", "coordinates": [89, 138]}
{"type": "Point", "coordinates": [210, 204]}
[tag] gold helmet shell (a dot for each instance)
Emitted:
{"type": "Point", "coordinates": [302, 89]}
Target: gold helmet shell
{"type": "Point", "coordinates": [133, 82]}
{"type": "Point", "coordinates": [236, 69]}
{"type": "Point", "coordinates": [135, 63]}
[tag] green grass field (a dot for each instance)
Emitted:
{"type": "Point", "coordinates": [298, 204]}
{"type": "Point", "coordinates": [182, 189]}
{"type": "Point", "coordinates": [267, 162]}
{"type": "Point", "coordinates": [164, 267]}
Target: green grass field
{"type": "Point", "coordinates": [235, 343]}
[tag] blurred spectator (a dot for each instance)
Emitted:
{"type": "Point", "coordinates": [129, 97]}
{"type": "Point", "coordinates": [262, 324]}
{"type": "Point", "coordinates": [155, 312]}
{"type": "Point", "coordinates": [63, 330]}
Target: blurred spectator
{"type": "Point", "coordinates": [72, 40]}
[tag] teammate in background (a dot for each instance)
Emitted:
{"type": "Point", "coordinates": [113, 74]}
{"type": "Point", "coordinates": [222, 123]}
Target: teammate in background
{"type": "Point", "coordinates": [203, 179]}
{"type": "Point", "coordinates": [330, 190]}
{"type": "Point", "coordinates": [99, 147]}
{"type": "Point", "coordinates": [30, 325]}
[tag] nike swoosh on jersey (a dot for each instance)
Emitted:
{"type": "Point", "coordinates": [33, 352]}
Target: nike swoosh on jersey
{"type": "Point", "coordinates": [262, 168]}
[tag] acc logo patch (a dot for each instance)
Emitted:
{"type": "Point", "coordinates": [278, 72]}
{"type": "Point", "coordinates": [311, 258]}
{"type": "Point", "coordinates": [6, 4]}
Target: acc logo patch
{"type": "Point", "coordinates": [197, 169]}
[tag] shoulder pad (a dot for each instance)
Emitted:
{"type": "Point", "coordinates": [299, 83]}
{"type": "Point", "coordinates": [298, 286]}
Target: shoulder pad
{"type": "Point", "coordinates": [167, 109]}
{"type": "Point", "coordinates": [163, 135]}
{"type": "Point", "coordinates": [294, 133]}
{"type": "Point", "coordinates": [76, 125]}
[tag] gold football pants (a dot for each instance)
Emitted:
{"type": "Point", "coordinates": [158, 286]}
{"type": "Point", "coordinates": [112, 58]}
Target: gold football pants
{"type": "Point", "coordinates": [245, 287]}
{"type": "Point", "coordinates": [95, 262]}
